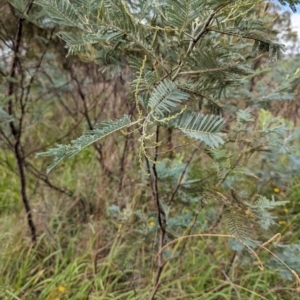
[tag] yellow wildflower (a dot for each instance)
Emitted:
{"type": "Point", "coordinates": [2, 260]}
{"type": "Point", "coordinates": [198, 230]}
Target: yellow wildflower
{"type": "Point", "coordinates": [276, 190]}
{"type": "Point", "coordinates": [151, 223]}
{"type": "Point", "coordinates": [61, 288]}
{"type": "Point", "coordinates": [282, 222]}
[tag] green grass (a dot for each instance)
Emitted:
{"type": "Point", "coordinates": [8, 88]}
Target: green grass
{"type": "Point", "coordinates": [84, 251]}
{"type": "Point", "coordinates": [65, 269]}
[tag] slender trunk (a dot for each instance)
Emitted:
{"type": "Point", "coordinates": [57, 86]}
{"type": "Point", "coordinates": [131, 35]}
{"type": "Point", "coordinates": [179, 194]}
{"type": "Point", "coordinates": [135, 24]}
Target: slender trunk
{"type": "Point", "coordinates": [16, 129]}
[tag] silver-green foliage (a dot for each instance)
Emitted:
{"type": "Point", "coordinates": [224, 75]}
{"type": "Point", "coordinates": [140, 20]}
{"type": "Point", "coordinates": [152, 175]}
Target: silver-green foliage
{"type": "Point", "coordinates": [170, 45]}
{"type": "Point", "coordinates": [165, 97]}
{"type": "Point", "coordinates": [205, 128]}
{"type": "Point", "coordinates": [90, 136]}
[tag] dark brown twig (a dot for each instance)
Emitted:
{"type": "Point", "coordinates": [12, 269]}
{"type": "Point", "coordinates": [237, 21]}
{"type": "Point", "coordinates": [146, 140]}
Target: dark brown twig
{"type": "Point", "coordinates": [191, 227]}
{"type": "Point", "coordinates": [196, 38]}
{"type": "Point", "coordinates": [181, 177]}
{"type": "Point", "coordinates": [161, 219]}
{"type": "Point", "coordinates": [83, 98]}
{"type": "Point", "coordinates": [217, 220]}
{"type": "Point", "coordinates": [15, 129]}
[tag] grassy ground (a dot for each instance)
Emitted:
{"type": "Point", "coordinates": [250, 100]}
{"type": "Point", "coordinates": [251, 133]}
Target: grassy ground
{"type": "Point", "coordinates": [102, 256]}
{"type": "Point", "coordinates": [98, 231]}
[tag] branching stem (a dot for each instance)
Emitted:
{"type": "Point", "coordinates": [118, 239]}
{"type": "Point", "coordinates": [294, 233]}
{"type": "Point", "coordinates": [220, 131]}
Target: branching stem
{"type": "Point", "coordinates": [16, 128]}
{"type": "Point", "coordinates": [161, 219]}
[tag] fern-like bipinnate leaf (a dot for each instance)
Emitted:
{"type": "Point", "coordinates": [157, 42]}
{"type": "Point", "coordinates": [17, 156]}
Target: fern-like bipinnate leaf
{"type": "Point", "coordinates": [90, 136]}
{"type": "Point", "coordinates": [64, 13]}
{"type": "Point", "coordinates": [261, 209]}
{"type": "Point", "coordinates": [165, 97]}
{"type": "Point", "coordinates": [264, 203]}
{"type": "Point", "coordinates": [180, 14]}
{"type": "Point", "coordinates": [205, 128]}
{"type": "Point", "coordinates": [240, 225]}
{"type": "Point", "coordinates": [86, 7]}
{"type": "Point", "coordinates": [249, 221]}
